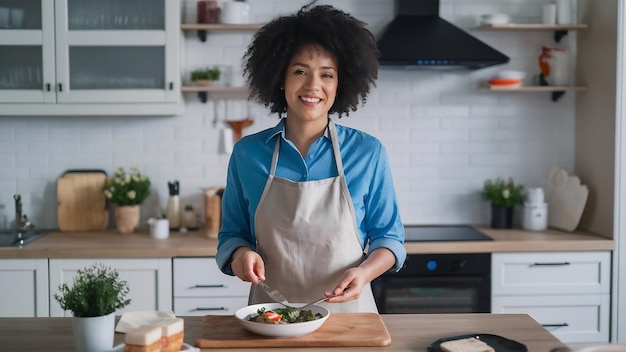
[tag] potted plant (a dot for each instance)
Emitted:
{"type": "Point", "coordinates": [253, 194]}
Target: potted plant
{"type": "Point", "coordinates": [503, 196]}
{"type": "Point", "coordinates": [97, 292]}
{"type": "Point", "coordinates": [127, 190]}
{"type": "Point", "coordinates": [205, 76]}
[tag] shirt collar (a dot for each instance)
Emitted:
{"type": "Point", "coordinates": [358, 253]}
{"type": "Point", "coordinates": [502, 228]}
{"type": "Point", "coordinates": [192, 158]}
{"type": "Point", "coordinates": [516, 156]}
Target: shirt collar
{"type": "Point", "coordinates": [280, 129]}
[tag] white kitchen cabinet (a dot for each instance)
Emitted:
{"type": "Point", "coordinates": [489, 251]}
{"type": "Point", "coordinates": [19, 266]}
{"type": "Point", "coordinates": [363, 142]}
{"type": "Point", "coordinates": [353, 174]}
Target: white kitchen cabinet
{"type": "Point", "coordinates": [200, 288]}
{"type": "Point", "coordinates": [149, 281]}
{"type": "Point", "coordinates": [24, 290]}
{"type": "Point", "coordinates": [74, 57]}
{"type": "Point", "coordinates": [566, 292]}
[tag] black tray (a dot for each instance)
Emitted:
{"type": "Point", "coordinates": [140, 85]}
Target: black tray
{"type": "Point", "coordinates": [498, 343]}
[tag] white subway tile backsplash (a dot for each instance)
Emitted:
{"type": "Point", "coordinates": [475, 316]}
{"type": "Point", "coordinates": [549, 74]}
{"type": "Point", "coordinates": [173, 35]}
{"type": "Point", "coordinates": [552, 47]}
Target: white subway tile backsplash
{"type": "Point", "coordinates": [444, 135]}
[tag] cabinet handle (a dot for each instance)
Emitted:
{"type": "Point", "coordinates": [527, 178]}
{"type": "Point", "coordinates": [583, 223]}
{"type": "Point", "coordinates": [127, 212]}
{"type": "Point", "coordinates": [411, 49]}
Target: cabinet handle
{"type": "Point", "coordinates": [48, 87]}
{"type": "Point", "coordinates": [60, 87]}
{"type": "Point", "coordinates": [549, 264]}
{"type": "Point", "coordinates": [555, 325]}
{"type": "Point", "coordinates": [208, 286]}
{"type": "Point", "coordinates": [216, 308]}
{"type": "Point", "coordinates": [171, 85]}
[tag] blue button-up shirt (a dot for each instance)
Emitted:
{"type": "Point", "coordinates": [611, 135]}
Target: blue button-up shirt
{"type": "Point", "coordinates": [367, 172]}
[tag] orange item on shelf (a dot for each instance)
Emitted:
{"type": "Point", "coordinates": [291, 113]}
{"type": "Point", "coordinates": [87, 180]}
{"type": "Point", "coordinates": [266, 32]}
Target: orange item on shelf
{"type": "Point", "coordinates": [504, 81]}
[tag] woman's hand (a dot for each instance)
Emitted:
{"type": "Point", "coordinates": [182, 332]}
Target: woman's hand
{"type": "Point", "coordinates": [354, 279]}
{"type": "Point", "coordinates": [248, 265]}
{"type": "Point", "coordinates": [349, 287]}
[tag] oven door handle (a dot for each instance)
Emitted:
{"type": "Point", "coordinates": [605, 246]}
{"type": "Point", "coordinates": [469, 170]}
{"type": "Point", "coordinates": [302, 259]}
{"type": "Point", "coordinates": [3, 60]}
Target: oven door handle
{"type": "Point", "coordinates": [549, 264]}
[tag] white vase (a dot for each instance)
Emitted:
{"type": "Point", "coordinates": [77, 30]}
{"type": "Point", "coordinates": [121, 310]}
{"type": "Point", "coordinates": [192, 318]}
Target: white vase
{"type": "Point", "coordinates": [235, 12]}
{"type": "Point", "coordinates": [93, 334]}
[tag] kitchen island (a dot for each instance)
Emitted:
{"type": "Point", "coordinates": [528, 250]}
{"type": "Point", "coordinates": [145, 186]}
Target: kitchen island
{"type": "Point", "coordinates": [409, 332]}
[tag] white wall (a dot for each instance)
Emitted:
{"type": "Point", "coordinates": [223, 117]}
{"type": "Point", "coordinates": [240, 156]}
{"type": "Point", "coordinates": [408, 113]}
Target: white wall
{"type": "Point", "coordinates": [444, 135]}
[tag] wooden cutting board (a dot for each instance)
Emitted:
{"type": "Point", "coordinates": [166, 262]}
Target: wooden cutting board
{"type": "Point", "coordinates": [340, 330]}
{"type": "Point", "coordinates": [81, 204]}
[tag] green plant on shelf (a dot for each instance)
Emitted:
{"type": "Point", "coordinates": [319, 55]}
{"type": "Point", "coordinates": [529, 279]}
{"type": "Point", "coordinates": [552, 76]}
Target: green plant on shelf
{"type": "Point", "coordinates": [206, 74]}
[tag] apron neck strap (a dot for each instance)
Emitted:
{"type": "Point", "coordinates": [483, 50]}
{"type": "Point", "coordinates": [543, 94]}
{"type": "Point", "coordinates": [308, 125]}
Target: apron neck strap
{"type": "Point", "coordinates": [333, 139]}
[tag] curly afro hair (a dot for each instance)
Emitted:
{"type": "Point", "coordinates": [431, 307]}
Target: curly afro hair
{"type": "Point", "coordinates": [343, 36]}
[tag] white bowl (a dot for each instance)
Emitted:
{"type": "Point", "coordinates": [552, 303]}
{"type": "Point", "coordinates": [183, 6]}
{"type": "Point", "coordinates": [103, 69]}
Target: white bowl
{"type": "Point", "coordinates": [495, 18]}
{"type": "Point", "coordinates": [512, 74]}
{"type": "Point", "coordinates": [280, 330]}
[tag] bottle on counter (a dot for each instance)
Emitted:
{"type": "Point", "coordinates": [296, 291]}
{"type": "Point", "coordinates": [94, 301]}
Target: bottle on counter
{"type": "Point", "coordinates": [173, 205]}
{"type": "Point", "coordinates": [190, 219]}
{"type": "Point", "coordinates": [535, 211]}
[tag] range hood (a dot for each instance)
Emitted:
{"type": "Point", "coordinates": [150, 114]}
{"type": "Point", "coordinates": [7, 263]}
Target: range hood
{"type": "Point", "coordinates": [418, 38]}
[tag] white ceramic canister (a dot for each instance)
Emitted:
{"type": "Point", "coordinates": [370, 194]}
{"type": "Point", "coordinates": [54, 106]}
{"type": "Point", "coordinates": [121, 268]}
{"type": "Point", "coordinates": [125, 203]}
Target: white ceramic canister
{"type": "Point", "coordinates": [159, 228]}
{"type": "Point", "coordinates": [564, 12]}
{"type": "Point", "coordinates": [535, 216]}
{"type": "Point", "coordinates": [534, 195]}
{"type": "Point", "coordinates": [235, 12]}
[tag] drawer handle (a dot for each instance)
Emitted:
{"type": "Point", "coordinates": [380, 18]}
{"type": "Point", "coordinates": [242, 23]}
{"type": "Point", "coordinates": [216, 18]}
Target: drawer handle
{"type": "Point", "coordinates": [554, 325]}
{"type": "Point", "coordinates": [217, 308]}
{"type": "Point", "coordinates": [208, 286]}
{"type": "Point", "coordinates": [549, 264]}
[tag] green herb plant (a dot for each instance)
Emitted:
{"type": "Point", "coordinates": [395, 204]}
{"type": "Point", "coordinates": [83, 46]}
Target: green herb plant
{"type": "Point", "coordinates": [502, 192]}
{"type": "Point", "coordinates": [127, 188]}
{"type": "Point", "coordinates": [211, 74]}
{"type": "Point", "coordinates": [97, 291]}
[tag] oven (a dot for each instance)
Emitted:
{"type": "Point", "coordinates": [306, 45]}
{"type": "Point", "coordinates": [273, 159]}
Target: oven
{"type": "Point", "coordinates": [438, 283]}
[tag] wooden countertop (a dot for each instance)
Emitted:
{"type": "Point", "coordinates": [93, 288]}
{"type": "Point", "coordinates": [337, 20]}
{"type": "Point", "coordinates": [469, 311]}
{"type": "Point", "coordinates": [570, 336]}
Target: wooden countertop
{"type": "Point", "coordinates": [110, 244]}
{"type": "Point", "coordinates": [409, 332]}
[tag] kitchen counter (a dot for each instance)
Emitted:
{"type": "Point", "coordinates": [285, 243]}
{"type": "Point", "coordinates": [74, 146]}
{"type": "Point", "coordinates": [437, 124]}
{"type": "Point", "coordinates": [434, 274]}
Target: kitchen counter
{"type": "Point", "coordinates": [110, 244]}
{"type": "Point", "coordinates": [409, 332]}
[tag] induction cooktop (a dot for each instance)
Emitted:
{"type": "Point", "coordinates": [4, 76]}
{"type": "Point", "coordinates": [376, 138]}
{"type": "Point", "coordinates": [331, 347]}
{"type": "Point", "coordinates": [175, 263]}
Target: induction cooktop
{"type": "Point", "coordinates": [435, 233]}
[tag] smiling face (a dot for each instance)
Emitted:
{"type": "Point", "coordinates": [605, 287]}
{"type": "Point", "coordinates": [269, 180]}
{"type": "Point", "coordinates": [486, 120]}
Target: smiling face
{"type": "Point", "coordinates": [311, 83]}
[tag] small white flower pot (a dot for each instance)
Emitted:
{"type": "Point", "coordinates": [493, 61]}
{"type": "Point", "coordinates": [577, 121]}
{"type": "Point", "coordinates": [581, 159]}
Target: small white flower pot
{"type": "Point", "coordinates": [93, 334]}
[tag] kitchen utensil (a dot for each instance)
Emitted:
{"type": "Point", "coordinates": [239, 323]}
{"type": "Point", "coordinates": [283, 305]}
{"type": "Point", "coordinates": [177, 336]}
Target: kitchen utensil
{"type": "Point", "coordinates": [81, 204]}
{"type": "Point", "coordinates": [278, 297]}
{"type": "Point", "coordinates": [172, 210]}
{"type": "Point", "coordinates": [339, 330]}
{"type": "Point", "coordinates": [243, 316]}
{"type": "Point", "coordinates": [566, 198]}
{"type": "Point", "coordinates": [316, 301]}
{"type": "Point", "coordinates": [275, 295]}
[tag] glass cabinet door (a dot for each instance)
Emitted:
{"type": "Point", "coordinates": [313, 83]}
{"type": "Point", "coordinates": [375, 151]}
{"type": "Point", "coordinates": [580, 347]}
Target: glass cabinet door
{"type": "Point", "coordinates": [26, 51]}
{"type": "Point", "coordinates": [114, 50]}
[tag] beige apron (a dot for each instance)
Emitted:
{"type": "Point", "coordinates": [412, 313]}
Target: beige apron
{"type": "Point", "coordinates": [307, 236]}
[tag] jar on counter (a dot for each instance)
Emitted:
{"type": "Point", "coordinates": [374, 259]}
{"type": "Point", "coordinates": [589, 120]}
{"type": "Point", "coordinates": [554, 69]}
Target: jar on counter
{"type": "Point", "coordinates": [190, 219]}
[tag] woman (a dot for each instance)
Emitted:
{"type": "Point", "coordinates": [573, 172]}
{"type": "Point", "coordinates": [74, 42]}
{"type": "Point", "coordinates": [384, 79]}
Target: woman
{"type": "Point", "coordinates": [304, 199]}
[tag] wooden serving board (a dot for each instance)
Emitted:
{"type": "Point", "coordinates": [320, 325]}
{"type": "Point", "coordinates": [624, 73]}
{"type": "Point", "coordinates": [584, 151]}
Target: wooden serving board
{"type": "Point", "coordinates": [340, 330]}
{"type": "Point", "coordinates": [81, 204]}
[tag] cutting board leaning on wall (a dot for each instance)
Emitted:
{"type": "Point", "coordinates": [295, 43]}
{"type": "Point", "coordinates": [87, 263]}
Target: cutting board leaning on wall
{"type": "Point", "coordinates": [81, 204]}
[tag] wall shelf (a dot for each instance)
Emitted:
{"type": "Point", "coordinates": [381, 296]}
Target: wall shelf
{"type": "Point", "coordinates": [560, 30]}
{"type": "Point", "coordinates": [557, 91]}
{"type": "Point", "coordinates": [203, 91]}
{"type": "Point", "coordinates": [202, 28]}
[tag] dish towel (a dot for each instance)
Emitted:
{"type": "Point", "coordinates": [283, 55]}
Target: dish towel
{"type": "Point", "coordinates": [133, 320]}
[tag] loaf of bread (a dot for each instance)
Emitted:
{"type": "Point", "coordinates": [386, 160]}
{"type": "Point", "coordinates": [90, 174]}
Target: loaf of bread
{"type": "Point", "coordinates": [144, 339]}
{"type": "Point", "coordinates": [470, 344]}
{"type": "Point", "coordinates": [172, 333]}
